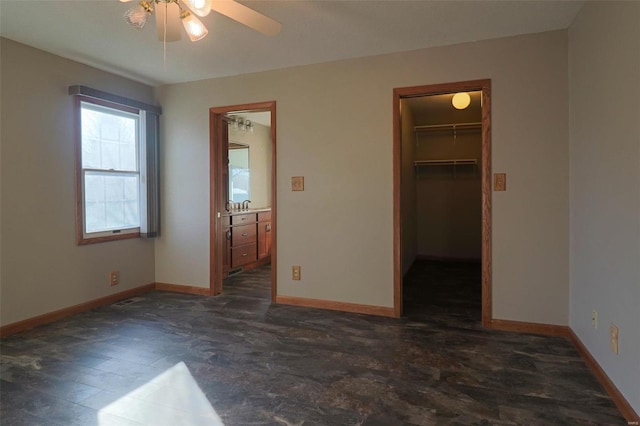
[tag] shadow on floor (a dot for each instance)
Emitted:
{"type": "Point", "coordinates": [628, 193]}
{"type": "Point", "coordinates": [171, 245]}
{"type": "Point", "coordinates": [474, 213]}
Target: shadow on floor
{"type": "Point", "coordinates": [444, 292]}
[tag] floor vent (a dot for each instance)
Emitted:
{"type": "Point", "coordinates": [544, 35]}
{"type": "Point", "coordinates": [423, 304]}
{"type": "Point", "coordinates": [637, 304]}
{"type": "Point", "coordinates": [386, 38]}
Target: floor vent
{"type": "Point", "coordinates": [127, 302]}
{"type": "Point", "coordinates": [234, 272]}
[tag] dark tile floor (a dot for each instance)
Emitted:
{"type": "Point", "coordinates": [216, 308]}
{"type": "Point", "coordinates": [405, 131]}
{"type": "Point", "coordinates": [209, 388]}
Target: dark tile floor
{"type": "Point", "coordinates": [173, 359]}
{"type": "Point", "coordinates": [446, 293]}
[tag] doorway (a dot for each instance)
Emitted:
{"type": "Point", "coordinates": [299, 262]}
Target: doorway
{"type": "Point", "coordinates": [242, 191]}
{"type": "Point", "coordinates": [407, 167]}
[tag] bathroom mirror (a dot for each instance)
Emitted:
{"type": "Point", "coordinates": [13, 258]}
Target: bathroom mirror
{"type": "Point", "coordinates": [239, 173]}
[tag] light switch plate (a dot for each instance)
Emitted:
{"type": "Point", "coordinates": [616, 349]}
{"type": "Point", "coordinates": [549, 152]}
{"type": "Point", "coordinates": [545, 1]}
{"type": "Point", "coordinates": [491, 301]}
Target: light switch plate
{"type": "Point", "coordinates": [297, 183]}
{"type": "Point", "coordinates": [499, 181]}
{"type": "Point", "coordinates": [295, 273]}
{"type": "Point", "coordinates": [614, 335]}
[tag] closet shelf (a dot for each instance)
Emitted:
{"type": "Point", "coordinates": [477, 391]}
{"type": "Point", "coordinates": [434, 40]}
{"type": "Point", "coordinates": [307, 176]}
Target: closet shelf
{"type": "Point", "coordinates": [450, 162]}
{"type": "Point", "coordinates": [453, 126]}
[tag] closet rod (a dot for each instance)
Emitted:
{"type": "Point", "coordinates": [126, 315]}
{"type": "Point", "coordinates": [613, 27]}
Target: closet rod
{"type": "Point", "coordinates": [452, 126]}
{"type": "Point", "coordinates": [451, 162]}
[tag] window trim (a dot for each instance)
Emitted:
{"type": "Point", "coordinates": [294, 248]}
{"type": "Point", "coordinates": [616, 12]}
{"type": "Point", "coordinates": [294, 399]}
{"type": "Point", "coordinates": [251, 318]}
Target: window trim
{"type": "Point", "coordinates": [81, 237]}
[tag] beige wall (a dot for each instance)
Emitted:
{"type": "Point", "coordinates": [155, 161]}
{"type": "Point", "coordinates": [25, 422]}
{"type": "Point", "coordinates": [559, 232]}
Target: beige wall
{"type": "Point", "coordinates": [259, 143]}
{"type": "Point", "coordinates": [604, 49]}
{"type": "Point", "coordinates": [340, 228]}
{"type": "Point", "coordinates": [408, 183]}
{"type": "Point", "coordinates": [42, 268]}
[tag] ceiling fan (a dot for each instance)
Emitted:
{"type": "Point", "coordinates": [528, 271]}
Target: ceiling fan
{"type": "Point", "coordinates": [169, 14]}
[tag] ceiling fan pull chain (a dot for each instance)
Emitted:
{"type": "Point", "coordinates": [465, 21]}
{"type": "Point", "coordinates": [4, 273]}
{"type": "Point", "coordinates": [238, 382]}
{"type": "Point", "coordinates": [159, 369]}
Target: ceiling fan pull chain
{"type": "Point", "coordinates": [164, 41]}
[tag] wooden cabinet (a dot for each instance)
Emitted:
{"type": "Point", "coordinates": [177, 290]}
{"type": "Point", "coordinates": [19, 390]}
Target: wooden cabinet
{"type": "Point", "coordinates": [243, 243]}
{"type": "Point", "coordinates": [243, 234]}
{"type": "Point", "coordinates": [264, 235]}
{"type": "Point", "coordinates": [243, 219]}
{"type": "Point", "coordinates": [243, 255]}
{"type": "Point", "coordinates": [226, 252]}
{"type": "Point", "coordinates": [247, 241]}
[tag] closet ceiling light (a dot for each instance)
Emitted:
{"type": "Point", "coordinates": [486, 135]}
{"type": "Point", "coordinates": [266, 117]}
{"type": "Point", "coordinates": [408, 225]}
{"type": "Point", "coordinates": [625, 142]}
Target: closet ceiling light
{"type": "Point", "coordinates": [461, 100]}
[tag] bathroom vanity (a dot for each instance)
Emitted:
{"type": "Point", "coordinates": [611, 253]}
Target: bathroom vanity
{"type": "Point", "coordinates": [248, 240]}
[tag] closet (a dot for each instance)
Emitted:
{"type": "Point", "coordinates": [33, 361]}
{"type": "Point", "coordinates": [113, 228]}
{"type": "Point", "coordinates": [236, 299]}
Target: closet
{"type": "Point", "coordinates": [446, 173]}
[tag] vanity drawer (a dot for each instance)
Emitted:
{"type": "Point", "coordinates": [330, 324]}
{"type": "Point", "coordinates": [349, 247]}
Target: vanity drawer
{"type": "Point", "coordinates": [244, 234]}
{"type": "Point", "coordinates": [244, 254]}
{"type": "Point", "coordinates": [239, 219]}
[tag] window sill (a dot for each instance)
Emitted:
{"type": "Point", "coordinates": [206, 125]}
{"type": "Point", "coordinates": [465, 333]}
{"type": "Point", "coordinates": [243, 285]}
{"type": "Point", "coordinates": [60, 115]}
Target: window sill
{"type": "Point", "coordinates": [85, 241]}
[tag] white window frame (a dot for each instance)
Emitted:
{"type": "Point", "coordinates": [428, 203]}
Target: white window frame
{"type": "Point", "coordinates": [84, 237]}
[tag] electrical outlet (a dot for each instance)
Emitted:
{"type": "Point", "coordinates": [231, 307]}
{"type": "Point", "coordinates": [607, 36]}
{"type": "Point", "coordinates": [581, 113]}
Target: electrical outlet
{"type": "Point", "coordinates": [594, 319]}
{"type": "Point", "coordinates": [114, 278]}
{"type": "Point", "coordinates": [614, 333]}
{"type": "Point", "coordinates": [295, 273]}
{"type": "Point", "coordinates": [297, 183]}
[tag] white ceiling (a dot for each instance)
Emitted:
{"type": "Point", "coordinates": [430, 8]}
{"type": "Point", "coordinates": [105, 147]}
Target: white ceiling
{"type": "Point", "coordinates": [93, 32]}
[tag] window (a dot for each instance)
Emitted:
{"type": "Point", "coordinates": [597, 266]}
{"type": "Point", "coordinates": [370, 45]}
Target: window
{"type": "Point", "coordinates": [110, 169]}
{"type": "Point", "coordinates": [111, 145]}
{"type": "Point", "coordinates": [116, 167]}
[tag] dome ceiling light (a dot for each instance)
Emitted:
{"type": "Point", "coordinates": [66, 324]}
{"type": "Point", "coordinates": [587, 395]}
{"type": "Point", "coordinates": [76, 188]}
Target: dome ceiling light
{"type": "Point", "coordinates": [461, 100]}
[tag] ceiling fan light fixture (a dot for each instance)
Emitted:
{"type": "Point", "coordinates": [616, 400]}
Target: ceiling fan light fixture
{"type": "Point", "coordinates": [192, 25]}
{"type": "Point", "coordinates": [167, 21]}
{"type": "Point", "coordinates": [137, 15]}
{"type": "Point", "coordinates": [200, 7]}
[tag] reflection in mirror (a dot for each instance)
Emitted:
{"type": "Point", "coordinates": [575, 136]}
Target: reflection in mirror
{"type": "Point", "coordinates": [239, 173]}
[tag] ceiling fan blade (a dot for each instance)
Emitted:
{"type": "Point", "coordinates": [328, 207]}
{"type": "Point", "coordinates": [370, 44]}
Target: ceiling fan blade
{"type": "Point", "coordinates": [247, 16]}
{"type": "Point", "coordinates": [172, 12]}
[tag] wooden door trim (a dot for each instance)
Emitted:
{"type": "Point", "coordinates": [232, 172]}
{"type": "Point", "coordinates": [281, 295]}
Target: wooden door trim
{"type": "Point", "coordinates": [436, 89]}
{"type": "Point", "coordinates": [218, 205]}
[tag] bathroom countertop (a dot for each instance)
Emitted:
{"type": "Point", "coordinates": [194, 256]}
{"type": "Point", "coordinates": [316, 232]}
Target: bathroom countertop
{"type": "Point", "coordinates": [247, 211]}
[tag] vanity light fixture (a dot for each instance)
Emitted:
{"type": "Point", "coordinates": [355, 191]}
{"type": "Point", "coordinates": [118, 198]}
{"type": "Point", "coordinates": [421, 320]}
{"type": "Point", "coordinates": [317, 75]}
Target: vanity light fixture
{"type": "Point", "coordinates": [241, 123]}
{"type": "Point", "coordinates": [461, 100]}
